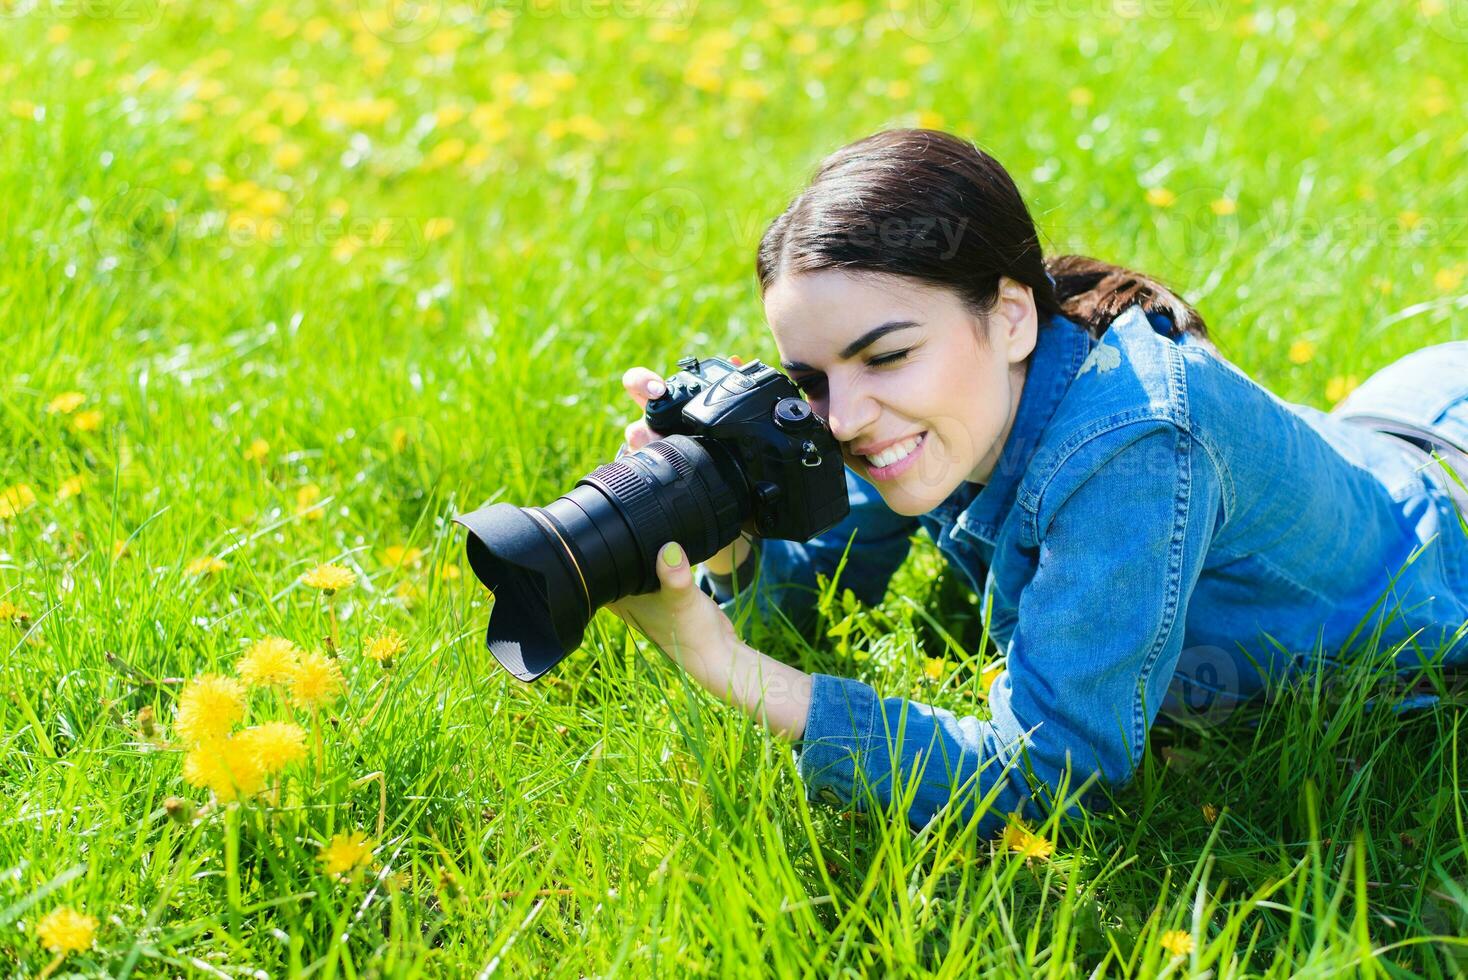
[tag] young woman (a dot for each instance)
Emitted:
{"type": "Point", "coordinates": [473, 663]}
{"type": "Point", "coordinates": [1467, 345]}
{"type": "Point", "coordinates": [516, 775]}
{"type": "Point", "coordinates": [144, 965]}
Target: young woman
{"type": "Point", "coordinates": [1149, 524]}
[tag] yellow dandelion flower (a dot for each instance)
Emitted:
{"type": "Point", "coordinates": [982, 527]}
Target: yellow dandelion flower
{"type": "Point", "coordinates": [1449, 278]}
{"type": "Point", "coordinates": [306, 499]}
{"type": "Point", "coordinates": [917, 55]}
{"type": "Point", "coordinates": [65, 403]}
{"type": "Point", "coordinates": [610, 31]}
{"type": "Point", "coordinates": [208, 707]}
{"type": "Point", "coordinates": [446, 115]}
{"type": "Point", "coordinates": [1018, 837]}
{"type": "Point", "coordinates": [287, 156]}
{"type": "Point", "coordinates": [449, 573]}
{"type": "Point", "coordinates": [267, 662]}
{"type": "Point", "coordinates": [1177, 942]}
{"type": "Point", "coordinates": [398, 554]}
{"type": "Point", "coordinates": [1302, 352]}
{"type": "Point", "coordinates": [329, 578]}
{"type": "Point", "coordinates": [1081, 96]}
{"type": "Point", "coordinates": [58, 33]}
{"type": "Point", "coordinates": [384, 647]}
{"type": "Point", "coordinates": [345, 853]}
{"type": "Point", "coordinates": [257, 451]}
{"type": "Point", "coordinates": [1223, 206]}
{"type": "Point", "coordinates": [445, 153]}
{"type": "Point", "coordinates": [119, 548]}
{"type": "Point", "coordinates": [71, 487]}
{"type": "Point", "coordinates": [227, 767]}
{"type": "Point", "coordinates": [935, 668]}
{"type": "Point", "coordinates": [315, 29]}
{"type": "Point", "coordinates": [345, 248]}
{"type": "Point", "coordinates": [15, 499]}
{"type": "Point", "coordinates": [749, 90]}
{"type": "Point", "coordinates": [207, 565]}
{"type": "Point", "coordinates": [436, 228]}
{"type": "Point", "coordinates": [316, 680]}
{"type": "Point", "coordinates": [1160, 197]}
{"type": "Point", "coordinates": [1339, 387]}
{"type": "Point", "coordinates": [1409, 219]}
{"type": "Point", "coordinates": [275, 744]}
{"type": "Point", "coordinates": [1210, 812]}
{"type": "Point", "coordinates": [804, 43]}
{"type": "Point", "coordinates": [988, 676]}
{"type": "Point", "coordinates": [88, 421]}
{"type": "Point", "coordinates": [928, 119]}
{"type": "Point", "coordinates": [10, 612]}
{"type": "Point", "coordinates": [65, 930]}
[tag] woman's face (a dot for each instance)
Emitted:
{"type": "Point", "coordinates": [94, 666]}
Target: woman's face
{"type": "Point", "coordinates": [920, 393]}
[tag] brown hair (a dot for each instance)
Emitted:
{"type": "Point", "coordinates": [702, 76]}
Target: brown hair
{"type": "Point", "coordinates": [934, 207]}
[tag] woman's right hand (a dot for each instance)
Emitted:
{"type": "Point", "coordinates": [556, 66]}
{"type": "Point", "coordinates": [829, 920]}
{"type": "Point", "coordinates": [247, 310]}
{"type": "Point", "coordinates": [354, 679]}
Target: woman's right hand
{"type": "Point", "coordinates": [645, 384]}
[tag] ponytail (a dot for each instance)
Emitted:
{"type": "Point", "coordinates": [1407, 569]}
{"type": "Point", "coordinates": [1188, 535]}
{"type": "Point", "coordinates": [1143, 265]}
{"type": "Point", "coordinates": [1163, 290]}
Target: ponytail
{"type": "Point", "coordinates": [1094, 293]}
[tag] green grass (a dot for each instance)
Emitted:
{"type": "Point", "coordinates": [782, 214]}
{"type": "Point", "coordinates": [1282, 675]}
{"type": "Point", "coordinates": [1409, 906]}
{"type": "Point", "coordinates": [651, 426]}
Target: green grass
{"type": "Point", "coordinates": [610, 819]}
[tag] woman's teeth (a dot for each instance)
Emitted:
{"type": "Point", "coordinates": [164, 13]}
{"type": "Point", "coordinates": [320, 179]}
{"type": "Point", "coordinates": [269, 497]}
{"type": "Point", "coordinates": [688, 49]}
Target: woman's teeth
{"type": "Point", "coordinates": [893, 454]}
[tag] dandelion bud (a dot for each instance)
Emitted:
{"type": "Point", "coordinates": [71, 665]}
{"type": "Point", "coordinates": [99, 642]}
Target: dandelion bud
{"type": "Point", "coordinates": [180, 810]}
{"type": "Point", "coordinates": [449, 885]}
{"type": "Point", "coordinates": [147, 723]}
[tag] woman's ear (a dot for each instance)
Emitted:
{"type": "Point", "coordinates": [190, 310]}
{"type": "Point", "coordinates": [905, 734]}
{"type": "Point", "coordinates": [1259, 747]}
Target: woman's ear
{"type": "Point", "coordinates": [1015, 319]}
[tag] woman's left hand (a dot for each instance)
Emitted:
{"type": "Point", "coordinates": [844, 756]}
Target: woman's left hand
{"type": "Point", "coordinates": [680, 618]}
{"type": "Point", "coordinates": [691, 629]}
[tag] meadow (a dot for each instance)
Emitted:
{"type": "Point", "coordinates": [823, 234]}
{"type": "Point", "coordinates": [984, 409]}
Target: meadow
{"type": "Point", "coordinates": [287, 284]}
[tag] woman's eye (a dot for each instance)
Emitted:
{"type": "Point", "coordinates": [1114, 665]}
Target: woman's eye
{"type": "Point", "coordinates": [811, 384]}
{"type": "Point", "coordinates": [891, 358]}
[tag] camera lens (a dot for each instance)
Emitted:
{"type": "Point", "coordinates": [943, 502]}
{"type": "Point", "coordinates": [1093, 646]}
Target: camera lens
{"type": "Point", "coordinates": [550, 568]}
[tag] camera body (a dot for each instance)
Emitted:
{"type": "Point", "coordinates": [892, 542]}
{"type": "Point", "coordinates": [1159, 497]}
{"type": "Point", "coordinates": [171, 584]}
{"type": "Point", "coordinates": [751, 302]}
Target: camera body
{"type": "Point", "coordinates": [739, 450]}
{"type": "Point", "coordinates": [791, 462]}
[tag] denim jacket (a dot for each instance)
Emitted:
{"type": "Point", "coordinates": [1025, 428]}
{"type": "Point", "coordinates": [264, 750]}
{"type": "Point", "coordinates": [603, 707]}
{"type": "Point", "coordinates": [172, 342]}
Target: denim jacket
{"type": "Point", "coordinates": [1159, 530]}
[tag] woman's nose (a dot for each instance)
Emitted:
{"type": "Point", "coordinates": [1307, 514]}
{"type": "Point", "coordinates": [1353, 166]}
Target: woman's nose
{"type": "Point", "coordinates": [850, 416]}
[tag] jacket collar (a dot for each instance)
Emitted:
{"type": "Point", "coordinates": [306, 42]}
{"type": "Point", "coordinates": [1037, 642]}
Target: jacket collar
{"type": "Point", "coordinates": [1061, 346]}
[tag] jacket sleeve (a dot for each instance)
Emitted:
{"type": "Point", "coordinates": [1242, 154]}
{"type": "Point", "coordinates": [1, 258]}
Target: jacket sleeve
{"type": "Point", "coordinates": [784, 572]}
{"type": "Point", "coordinates": [1099, 631]}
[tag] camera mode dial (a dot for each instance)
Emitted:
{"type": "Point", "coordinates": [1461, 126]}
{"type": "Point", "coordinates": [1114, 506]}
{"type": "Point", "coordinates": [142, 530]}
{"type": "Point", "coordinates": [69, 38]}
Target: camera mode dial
{"type": "Point", "coordinates": [793, 414]}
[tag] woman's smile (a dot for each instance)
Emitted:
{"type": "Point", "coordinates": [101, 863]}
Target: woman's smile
{"type": "Point", "coordinates": [895, 460]}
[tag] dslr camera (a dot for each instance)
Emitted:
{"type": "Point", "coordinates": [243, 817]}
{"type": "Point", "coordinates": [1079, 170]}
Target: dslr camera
{"type": "Point", "coordinates": [739, 449]}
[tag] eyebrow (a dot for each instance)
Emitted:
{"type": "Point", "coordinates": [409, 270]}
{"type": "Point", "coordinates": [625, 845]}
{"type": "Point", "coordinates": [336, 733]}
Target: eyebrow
{"type": "Point", "coordinates": [859, 344]}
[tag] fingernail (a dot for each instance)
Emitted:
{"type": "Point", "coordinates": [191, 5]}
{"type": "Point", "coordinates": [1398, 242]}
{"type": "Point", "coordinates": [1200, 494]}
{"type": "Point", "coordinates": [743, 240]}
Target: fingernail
{"type": "Point", "coordinates": [672, 555]}
{"type": "Point", "coordinates": [656, 388]}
